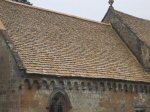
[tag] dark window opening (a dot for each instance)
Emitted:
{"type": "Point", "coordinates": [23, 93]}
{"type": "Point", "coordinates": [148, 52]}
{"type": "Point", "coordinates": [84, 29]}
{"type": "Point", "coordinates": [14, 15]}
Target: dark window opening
{"type": "Point", "coordinates": [140, 109]}
{"type": "Point", "coordinates": [60, 108]}
{"type": "Point", "coordinates": [59, 104]}
{"type": "Point", "coordinates": [57, 108]}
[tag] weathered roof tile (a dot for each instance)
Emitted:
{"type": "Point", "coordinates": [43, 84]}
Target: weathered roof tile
{"type": "Point", "coordinates": [54, 44]}
{"type": "Point", "coordinates": [139, 26]}
{"type": "Point", "coordinates": [2, 26]}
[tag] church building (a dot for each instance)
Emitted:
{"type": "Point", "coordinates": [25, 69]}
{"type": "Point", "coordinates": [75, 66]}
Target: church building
{"type": "Point", "coordinates": [54, 62]}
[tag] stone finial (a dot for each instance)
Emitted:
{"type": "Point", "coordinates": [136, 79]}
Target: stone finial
{"type": "Point", "coordinates": [111, 2]}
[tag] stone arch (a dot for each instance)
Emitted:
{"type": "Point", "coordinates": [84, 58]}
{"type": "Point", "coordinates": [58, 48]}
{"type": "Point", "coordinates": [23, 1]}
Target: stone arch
{"type": "Point", "coordinates": [27, 84]}
{"type": "Point", "coordinates": [130, 88]}
{"type": "Point", "coordinates": [52, 84]}
{"type": "Point", "coordinates": [109, 86]}
{"type": "Point", "coordinates": [114, 87]}
{"type": "Point", "coordinates": [83, 86]}
{"type": "Point", "coordinates": [61, 83]}
{"type": "Point", "coordinates": [102, 86]}
{"type": "Point", "coordinates": [59, 101]}
{"type": "Point", "coordinates": [145, 89]}
{"type": "Point", "coordinates": [141, 88]}
{"type": "Point", "coordinates": [69, 85]}
{"type": "Point", "coordinates": [120, 87]}
{"type": "Point", "coordinates": [76, 86]}
{"type": "Point", "coordinates": [136, 88]}
{"type": "Point", "coordinates": [89, 85]}
{"type": "Point", "coordinates": [45, 84]}
{"type": "Point", "coordinates": [95, 86]}
{"type": "Point", "coordinates": [125, 88]}
{"type": "Point", "coordinates": [36, 85]}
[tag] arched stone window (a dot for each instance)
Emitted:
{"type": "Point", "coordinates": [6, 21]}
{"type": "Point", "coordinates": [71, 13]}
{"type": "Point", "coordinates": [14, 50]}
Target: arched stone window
{"type": "Point", "coordinates": [59, 102]}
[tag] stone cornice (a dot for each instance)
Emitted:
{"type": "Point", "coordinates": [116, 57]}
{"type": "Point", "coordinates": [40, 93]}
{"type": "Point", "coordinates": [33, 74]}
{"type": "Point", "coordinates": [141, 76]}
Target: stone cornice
{"type": "Point", "coordinates": [100, 85]}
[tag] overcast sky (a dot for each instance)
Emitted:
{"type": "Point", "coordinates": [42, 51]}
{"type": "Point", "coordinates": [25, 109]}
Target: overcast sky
{"type": "Point", "coordinates": [95, 9]}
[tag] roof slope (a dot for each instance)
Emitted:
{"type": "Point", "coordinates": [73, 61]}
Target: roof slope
{"type": "Point", "coordinates": [140, 26]}
{"type": "Point", "coordinates": [54, 44]}
{"type": "Point", "coordinates": [2, 26]}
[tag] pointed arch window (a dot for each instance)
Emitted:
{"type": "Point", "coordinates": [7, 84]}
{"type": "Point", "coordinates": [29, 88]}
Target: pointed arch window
{"type": "Point", "coordinates": [59, 102]}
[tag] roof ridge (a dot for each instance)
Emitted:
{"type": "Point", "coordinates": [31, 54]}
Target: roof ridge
{"type": "Point", "coordinates": [60, 13]}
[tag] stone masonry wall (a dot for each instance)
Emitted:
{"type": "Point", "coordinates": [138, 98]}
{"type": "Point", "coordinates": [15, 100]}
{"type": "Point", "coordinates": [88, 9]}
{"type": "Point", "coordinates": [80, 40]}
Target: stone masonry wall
{"type": "Point", "coordinates": [9, 80]}
{"type": "Point", "coordinates": [86, 95]}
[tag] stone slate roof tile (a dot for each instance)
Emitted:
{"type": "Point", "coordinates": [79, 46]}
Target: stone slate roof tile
{"type": "Point", "coordinates": [2, 26]}
{"type": "Point", "coordinates": [54, 44]}
{"type": "Point", "coordinates": [140, 27]}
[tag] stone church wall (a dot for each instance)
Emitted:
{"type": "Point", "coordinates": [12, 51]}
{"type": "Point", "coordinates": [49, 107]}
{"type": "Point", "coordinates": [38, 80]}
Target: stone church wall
{"type": "Point", "coordinates": [86, 95]}
{"type": "Point", "coordinates": [9, 81]}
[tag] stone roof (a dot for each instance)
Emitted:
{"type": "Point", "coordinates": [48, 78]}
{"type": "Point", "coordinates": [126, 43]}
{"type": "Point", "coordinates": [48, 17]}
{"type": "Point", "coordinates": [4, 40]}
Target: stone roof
{"type": "Point", "coordinates": [50, 43]}
{"type": "Point", "coordinates": [139, 26]}
{"type": "Point", "coordinates": [2, 26]}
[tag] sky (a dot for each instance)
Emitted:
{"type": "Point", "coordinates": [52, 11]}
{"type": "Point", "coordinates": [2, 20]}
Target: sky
{"type": "Point", "coordinates": [95, 9]}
